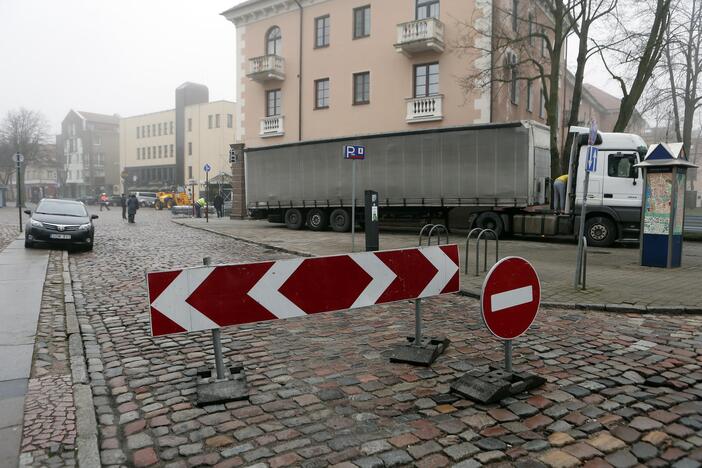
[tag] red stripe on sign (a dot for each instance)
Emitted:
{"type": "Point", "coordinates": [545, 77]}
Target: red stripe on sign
{"type": "Point", "coordinates": [454, 284]}
{"type": "Point", "coordinates": [413, 272]}
{"type": "Point", "coordinates": [162, 325]}
{"type": "Point", "coordinates": [223, 297]}
{"type": "Point", "coordinates": [313, 289]}
{"type": "Point", "coordinates": [159, 281]}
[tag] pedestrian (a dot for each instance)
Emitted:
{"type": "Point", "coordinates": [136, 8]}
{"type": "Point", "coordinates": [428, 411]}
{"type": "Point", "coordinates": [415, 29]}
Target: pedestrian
{"type": "Point", "coordinates": [199, 205]}
{"type": "Point", "coordinates": [219, 204]}
{"type": "Point", "coordinates": [559, 193]}
{"type": "Point", "coordinates": [123, 203]}
{"type": "Point", "coordinates": [132, 207]}
{"type": "Point", "coordinates": [104, 201]}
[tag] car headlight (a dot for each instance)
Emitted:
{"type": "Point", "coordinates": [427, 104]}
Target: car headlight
{"type": "Point", "coordinates": [84, 227]}
{"type": "Point", "coordinates": [35, 223]}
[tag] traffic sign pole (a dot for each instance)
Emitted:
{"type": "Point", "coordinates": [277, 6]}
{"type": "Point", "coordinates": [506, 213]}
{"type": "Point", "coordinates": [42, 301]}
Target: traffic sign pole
{"type": "Point", "coordinates": [508, 355]}
{"type": "Point", "coordinates": [353, 205]}
{"type": "Point", "coordinates": [207, 196]}
{"type": "Point", "coordinates": [18, 158]}
{"type": "Point", "coordinates": [583, 209]}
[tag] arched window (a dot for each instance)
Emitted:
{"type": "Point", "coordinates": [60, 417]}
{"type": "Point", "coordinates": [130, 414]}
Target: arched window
{"type": "Point", "coordinates": [273, 41]}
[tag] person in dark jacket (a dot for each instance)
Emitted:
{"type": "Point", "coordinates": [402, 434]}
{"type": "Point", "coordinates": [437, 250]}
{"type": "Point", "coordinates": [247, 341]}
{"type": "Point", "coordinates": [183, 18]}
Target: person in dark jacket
{"type": "Point", "coordinates": [132, 207]}
{"type": "Point", "coordinates": [219, 204]}
{"type": "Point", "coordinates": [123, 204]}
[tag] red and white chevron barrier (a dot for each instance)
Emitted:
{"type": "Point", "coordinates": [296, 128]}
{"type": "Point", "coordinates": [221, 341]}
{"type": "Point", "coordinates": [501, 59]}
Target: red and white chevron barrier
{"type": "Point", "coordinates": [208, 297]}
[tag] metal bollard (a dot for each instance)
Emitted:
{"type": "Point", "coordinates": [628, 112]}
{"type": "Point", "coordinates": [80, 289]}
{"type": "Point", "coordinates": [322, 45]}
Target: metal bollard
{"type": "Point", "coordinates": [417, 322]}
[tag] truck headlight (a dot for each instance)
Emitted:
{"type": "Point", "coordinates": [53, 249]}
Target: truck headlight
{"type": "Point", "coordinates": [84, 227]}
{"type": "Point", "coordinates": [34, 223]}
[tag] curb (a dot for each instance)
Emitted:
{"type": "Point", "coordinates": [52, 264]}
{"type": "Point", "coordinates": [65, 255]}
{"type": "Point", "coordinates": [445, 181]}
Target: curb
{"type": "Point", "coordinates": [616, 308]}
{"type": "Point", "coordinates": [88, 454]}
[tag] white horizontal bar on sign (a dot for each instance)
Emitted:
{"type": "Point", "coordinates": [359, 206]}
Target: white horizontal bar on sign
{"type": "Point", "coordinates": [515, 297]}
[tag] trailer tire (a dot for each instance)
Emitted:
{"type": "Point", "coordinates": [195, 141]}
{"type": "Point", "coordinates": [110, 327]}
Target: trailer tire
{"type": "Point", "coordinates": [340, 220]}
{"type": "Point", "coordinates": [490, 220]}
{"type": "Point", "coordinates": [600, 231]}
{"type": "Point", "coordinates": [294, 219]}
{"type": "Point", "coordinates": [317, 219]}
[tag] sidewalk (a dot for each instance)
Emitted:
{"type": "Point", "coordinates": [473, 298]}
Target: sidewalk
{"type": "Point", "coordinates": [615, 280]}
{"type": "Point", "coordinates": [22, 274]}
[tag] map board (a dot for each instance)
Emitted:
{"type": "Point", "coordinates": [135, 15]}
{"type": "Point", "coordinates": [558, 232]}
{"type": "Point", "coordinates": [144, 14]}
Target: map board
{"type": "Point", "coordinates": [659, 191]}
{"type": "Point", "coordinates": [680, 207]}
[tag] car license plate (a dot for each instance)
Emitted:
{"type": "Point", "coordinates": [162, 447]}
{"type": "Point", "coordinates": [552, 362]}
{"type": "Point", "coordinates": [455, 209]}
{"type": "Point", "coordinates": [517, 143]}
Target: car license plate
{"type": "Point", "coordinates": [60, 236]}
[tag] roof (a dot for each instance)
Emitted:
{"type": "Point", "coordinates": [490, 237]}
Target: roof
{"type": "Point", "coordinates": [606, 100]}
{"type": "Point", "coordinates": [99, 118]}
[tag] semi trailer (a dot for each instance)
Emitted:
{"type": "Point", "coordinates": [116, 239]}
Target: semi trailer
{"type": "Point", "coordinates": [495, 176]}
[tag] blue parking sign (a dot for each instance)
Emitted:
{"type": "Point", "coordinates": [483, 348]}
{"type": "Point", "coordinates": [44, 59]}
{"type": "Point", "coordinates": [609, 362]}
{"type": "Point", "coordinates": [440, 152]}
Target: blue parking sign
{"type": "Point", "coordinates": [354, 152]}
{"type": "Point", "coordinates": [591, 159]}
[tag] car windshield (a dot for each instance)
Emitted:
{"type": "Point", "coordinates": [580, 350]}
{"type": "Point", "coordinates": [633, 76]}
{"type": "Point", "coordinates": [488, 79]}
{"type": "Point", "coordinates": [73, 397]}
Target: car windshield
{"type": "Point", "coordinates": [55, 207]}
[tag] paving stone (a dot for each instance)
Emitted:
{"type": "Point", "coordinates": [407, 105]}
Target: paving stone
{"type": "Point", "coordinates": [644, 451]}
{"type": "Point", "coordinates": [490, 457]}
{"type": "Point", "coordinates": [461, 451]}
{"type": "Point", "coordinates": [395, 458]}
{"type": "Point", "coordinates": [491, 444]}
{"type": "Point", "coordinates": [621, 459]}
{"type": "Point", "coordinates": [643, 424]}
{"type": "Point", "coordinates": [523, 409]}
{"type": "Point", "coordinates": [605, 443]}
{"type": "Point", "coordinates": [559, 459]}
{"type": "Point", "coordinates": [582, 451]}
{"type": "Point", "coordinates": [422, 450]}
{"type": "Point", "coordinates": [626, 433]}
{"type": "Point", "coordinates": [369, 462]}
{"type": "Point", "coordinates": [559, 439]}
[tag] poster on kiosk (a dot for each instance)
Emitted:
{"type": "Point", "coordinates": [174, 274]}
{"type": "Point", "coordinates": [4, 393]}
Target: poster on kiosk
{"type": "Point", "coordinates": [665, 171]}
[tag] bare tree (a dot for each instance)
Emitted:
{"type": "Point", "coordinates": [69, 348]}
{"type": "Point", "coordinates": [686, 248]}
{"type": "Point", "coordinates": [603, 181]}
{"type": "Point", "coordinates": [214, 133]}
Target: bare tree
{"type": "Point", "coordinates": [21, 131]}
{"type": "Point", "coordinates": [637, 42]}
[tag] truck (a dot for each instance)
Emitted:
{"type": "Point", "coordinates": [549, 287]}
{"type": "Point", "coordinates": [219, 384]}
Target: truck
{"type": "Point", "coordinates": [491, 176]}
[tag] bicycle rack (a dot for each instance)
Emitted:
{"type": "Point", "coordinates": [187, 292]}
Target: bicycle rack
{"type": "Point", "coordinates": [477, 250]}
{"type": "Point", "coordinates": [439, 228]}
{"type": "Point", "coordinates": [421, 232]}
{"type": "Point", "coordinates": [470, 234]}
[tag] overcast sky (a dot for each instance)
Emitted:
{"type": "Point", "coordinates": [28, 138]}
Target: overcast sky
{"type": "Point", "coordinates": [120, 56]}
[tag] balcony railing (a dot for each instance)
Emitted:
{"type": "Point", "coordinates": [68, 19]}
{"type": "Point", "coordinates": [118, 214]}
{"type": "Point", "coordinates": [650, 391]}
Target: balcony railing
{"type": "Point", "coordinates": [425, 35]}
{"type": "Point", "coordinates": [266, 68]}
{"type": "Point", "coordinates": [425, 109]}
{"type": "Point", "coordinates": [272, 126]}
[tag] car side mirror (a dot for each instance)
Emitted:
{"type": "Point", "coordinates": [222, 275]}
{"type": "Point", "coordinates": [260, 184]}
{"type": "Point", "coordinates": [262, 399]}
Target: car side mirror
{"type": "Point", "coordinates": [94, 216]}
{"type": "Point", "coordinates": [29, 212]}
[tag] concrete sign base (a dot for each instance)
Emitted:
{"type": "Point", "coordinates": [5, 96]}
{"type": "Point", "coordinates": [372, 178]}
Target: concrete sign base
{"type": "Point", "coordinates": [232, 388]}
{"type": "Point", "coordinates": [423, 354]}
{"type": "Point", "coordinates": [494, 385]}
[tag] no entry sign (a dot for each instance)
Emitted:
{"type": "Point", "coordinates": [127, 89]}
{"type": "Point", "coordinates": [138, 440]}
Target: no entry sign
{"type": "Point", "coordinates": [510, 297]}
{"type": "Point", "coordinates": [210, 297]}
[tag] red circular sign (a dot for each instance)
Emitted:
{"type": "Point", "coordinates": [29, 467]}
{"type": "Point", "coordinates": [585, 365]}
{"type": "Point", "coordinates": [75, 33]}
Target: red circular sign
{"type": "Point", "coordinates": [510, 297]}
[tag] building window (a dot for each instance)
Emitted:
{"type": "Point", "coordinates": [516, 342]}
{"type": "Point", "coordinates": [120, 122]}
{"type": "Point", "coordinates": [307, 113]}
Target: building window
{"type": "Point", "coordinates": [230, 120]}
{"type": "Point", "coordinates": [171, 127]}
{"type": "Point", "coordinates": [138, 153]}
{"type": "Point", "coordinates": [542, 103]}
{"type": "Point", "coordinates": [190, 148]}
{"type": "Point", "coordinates": [190, 172]}
{"type": "Point", "coordinates": [531, 29]}
{"type": "Point", "coordinates": [159, 129]}
{"type": "Point", "coordinates": [153, 129]}
{"type": "Point", "coordinates": [190, 125]}
{"type": "Point", "coordinates": [361, 88]}
{"type": "Point", "coordinates": [274, 41]}
{"type": "Point", "coordinates": [217, 120]}
{"type": "Point", "coordinates": [426, 79]}
{"type": "Point", "coordinates": [148, 152]}
{"type": "Point", "coordinates": [427, 9]}
{"type": "Point", "coordinates": [321, 93]}
{"type": "Point", "coordinates": [543, 42]}
{"type": "Point", "coordinates": [209, 121]}
{"type": "Point", "coordinates": [160, 151]}
{"type": "Point", "coordinates": [528, 96]}
{"type": "Point", "coordinates": [515, 19]}
{"type": "Point", "coordinates": [171, 151]}
{"type": "Point", "coordinates": [138, 132]}
{"type": "Point", "coordinates": [511, 69]}
{"type": "Point", "coordinates": [361, 22]}
{"type": "Point", "coordinates": [148, 130]}
{"type": "Point", "coordinates": [98, 140]}
{"type": "Point", "coordinates": [321, 28]}
{"type": "Point", "coordinates": [273, 103]}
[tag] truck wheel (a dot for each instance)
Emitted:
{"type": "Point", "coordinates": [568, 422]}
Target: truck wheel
{"type": "Point", "coordinates": [340, 220]}
{"type": "Point", "coordinates": [317, 219]}
{"type": "Point", "coordinates": [490, 220]}
{"type": "Point", "coordinates": [294, 219]}
{"type": "Point", "coordinates": [600, 232]}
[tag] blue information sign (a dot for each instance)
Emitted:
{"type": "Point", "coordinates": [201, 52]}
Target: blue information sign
{"type": "Point", "coordinates": [354, 152]}
{"type": "Point", "coordinates": [207, 167]}
{"type": "Point", "coordinates": [591, 159]}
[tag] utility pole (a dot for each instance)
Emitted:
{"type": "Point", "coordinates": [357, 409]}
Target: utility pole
{"type": "Point", "coordinates": [18, 161]}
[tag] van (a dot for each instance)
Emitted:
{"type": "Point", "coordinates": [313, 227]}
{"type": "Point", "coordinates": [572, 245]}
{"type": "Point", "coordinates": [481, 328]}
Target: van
{"type": "Point", "coordinates": [146, 198]}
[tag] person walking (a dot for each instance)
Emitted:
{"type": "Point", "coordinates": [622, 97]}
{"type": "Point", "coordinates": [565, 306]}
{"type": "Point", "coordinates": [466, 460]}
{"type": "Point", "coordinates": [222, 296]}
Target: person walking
{"type": "Point", "coordinates": [559, 193]}
{"type": "Point", "coordinates": [132, 207]}
{"type": "Point", "coordinates": [219, 204]}
{"type": "Point", "coordinates": [123, 203]}
{"type": "Point", "coordinates": [104, 201]}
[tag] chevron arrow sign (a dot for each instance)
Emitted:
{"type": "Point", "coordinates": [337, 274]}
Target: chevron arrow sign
{"type": "Point", "coordinates": [203, 298]}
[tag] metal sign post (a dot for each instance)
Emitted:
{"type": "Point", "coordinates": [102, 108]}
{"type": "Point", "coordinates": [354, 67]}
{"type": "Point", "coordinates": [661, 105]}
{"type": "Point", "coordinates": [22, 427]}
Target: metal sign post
{"type": "Point", "coordinates": [354, 152]}
{"type": "Point", "coordinates": [207, 168]}
{"type": "Point", "coordinates": [18, 160]}
{"type": "Point", "coordinates": [591, 167]}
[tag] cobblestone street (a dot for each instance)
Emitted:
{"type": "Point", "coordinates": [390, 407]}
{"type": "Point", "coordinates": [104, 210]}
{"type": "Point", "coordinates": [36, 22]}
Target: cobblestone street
{"type": "Point", "coordinates": [622, 389]}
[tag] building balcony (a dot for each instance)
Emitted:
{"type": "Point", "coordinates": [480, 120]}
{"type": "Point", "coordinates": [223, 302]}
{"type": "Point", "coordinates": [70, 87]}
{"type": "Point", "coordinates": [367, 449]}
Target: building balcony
{"type": "Point", "coordinates": [425, 109]}
{"type": "Point", "coordinates": [425, 35]}
{"type": "Point", "coordinates": [266, 68]}
{"type": "Point", "coordinates": [272, 126]}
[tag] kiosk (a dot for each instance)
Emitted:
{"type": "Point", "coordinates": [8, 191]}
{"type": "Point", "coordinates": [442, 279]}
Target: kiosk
{"type": "Point", "coordinates": [663, 205]}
